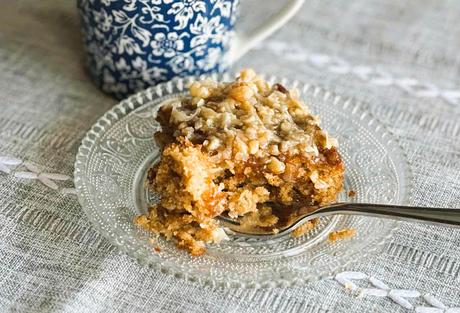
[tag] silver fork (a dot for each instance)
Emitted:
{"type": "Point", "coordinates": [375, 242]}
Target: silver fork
{"type": "Point", "coordinates": [292, 216]}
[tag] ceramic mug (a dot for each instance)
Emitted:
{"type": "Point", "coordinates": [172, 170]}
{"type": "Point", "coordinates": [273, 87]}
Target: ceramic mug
{"type": "Point", "coordinates": [133, 44]}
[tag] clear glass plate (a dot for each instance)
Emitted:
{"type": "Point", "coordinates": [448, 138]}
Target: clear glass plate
{"type": "Point", "coordinates": [110, 172]}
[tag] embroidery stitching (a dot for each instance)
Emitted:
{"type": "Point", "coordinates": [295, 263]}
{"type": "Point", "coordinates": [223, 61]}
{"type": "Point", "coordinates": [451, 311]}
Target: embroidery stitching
{"type": "Point", "coordinates": [399, 296]}
{"type": "Point", "coordinates": [10, 165]}
{"type": "Point", "coordinates": [372, 75]}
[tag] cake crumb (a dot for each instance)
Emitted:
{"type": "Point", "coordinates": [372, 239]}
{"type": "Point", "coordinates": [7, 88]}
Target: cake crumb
{"type": "Point", "coordinates": [157, 249]}
{"type": "Point", "coordinates": [351, 193]}
{"type": "Point", "coordinates": [302, 229]}
{"type": "Point", "coordinates": [341, 234]}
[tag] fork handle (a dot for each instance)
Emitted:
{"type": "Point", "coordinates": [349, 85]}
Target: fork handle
{"type": "Point", "coordinates": [398, 212]}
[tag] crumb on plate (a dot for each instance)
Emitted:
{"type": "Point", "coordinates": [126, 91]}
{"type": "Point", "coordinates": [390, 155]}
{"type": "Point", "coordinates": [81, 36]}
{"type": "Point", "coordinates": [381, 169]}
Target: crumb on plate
{"type": "Point", "coordinates": [345, 233]}
{"type": "Point", "coordinates": [351, 193]}
{"type": "Point", "coordinates": [302, 229]}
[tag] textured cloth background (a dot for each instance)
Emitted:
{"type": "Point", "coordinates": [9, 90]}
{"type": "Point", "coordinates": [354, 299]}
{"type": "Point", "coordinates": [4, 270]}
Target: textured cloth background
{"type": "Point", "coordinates": [401, 57]}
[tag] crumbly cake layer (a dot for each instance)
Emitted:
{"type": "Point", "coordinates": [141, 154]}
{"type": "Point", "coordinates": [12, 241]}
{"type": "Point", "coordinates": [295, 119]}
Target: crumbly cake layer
{"type": "Point", "coordinates": [231, 147]}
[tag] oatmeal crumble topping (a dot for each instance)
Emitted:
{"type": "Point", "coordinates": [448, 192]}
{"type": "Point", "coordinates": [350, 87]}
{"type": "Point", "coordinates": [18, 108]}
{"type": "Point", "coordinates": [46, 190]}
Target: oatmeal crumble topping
{"type": "Point", "coordinates": [231, 147]}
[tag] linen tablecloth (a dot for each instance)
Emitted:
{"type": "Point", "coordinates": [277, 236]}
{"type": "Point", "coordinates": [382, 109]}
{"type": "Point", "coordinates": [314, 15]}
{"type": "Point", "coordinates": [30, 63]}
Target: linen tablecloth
{"type": "Point", "coordinates": [399, 57]}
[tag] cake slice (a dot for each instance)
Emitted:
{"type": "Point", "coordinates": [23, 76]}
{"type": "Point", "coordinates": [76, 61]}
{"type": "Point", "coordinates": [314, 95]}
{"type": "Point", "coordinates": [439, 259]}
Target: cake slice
{"type": "Point", "coordinates": [232, 147]}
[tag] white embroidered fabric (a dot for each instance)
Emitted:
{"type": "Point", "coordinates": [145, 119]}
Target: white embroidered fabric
{"type": "Point", "coordinates": [399, 57]}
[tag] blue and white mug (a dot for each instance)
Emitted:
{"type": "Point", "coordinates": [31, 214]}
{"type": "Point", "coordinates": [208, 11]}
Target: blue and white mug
{"type": "Point", "coordinates": [133, 44]}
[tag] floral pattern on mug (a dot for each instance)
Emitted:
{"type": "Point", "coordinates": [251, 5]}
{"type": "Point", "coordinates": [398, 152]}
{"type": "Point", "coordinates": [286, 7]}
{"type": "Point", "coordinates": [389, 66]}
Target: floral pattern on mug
{"type": "Point", "coordinates": [167, 44]}
{"type": "Point", "coordinates": [184, 10]}
{"type": "Point", "coordinates": [133, 44]}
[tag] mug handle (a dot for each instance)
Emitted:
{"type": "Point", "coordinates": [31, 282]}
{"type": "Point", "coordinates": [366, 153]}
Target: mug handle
{"type": "Point", "coordinates": [242, 43]}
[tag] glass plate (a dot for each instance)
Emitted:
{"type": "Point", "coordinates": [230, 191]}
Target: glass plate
{"type": "Point", "coordinates": [110, 173]}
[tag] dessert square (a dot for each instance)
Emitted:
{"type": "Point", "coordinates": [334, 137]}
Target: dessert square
{"type": "Point", "coordinates": [233, 148]}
